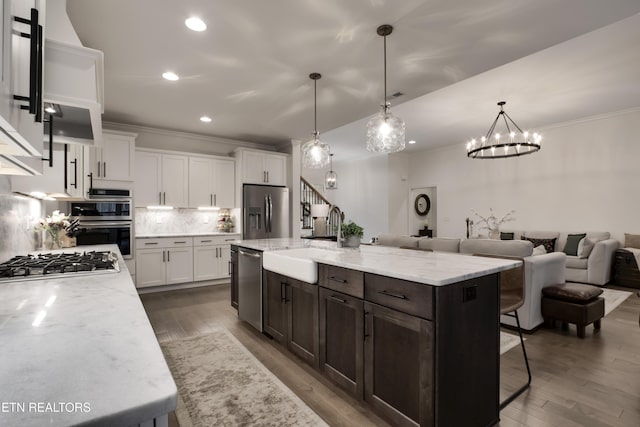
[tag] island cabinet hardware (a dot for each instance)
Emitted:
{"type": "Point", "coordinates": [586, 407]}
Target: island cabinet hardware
{"type": "Point", "coordinates": [340, 279]}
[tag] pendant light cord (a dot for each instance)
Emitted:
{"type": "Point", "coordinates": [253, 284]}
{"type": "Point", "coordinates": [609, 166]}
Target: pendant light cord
{"type": "Point", "coordinates": [384, 101]}
{"type": "Point", "coordinates": [315, 107]}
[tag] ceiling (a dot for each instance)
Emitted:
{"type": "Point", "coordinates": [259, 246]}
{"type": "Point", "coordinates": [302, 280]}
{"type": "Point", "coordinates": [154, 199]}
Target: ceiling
{"type": "Point", "coordinates": [452, 60]}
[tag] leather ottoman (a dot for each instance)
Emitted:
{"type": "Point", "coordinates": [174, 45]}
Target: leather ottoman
{"type": "Point", "coordinates": [575, 303]}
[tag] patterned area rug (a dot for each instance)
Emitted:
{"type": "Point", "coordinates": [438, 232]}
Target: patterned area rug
{"type": "Point", "coordinates": [221, 383]}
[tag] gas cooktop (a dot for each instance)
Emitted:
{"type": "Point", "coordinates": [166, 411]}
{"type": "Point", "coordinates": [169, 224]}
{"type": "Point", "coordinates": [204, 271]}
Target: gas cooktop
{"type": "Point", "coordinates": [60, 264]}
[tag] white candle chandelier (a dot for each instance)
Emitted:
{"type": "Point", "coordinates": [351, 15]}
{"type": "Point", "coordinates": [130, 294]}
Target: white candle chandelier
{"type": "Point", "coordinates": [315, 153]}
{"type": "Point", "coordinates": [385, 132]}
{"type": "Point", "coordinates": [497, 146]}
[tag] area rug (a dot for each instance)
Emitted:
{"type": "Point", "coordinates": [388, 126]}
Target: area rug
{"type": "Point", "coordinates": [221, 383]}
{"type": "Point", "coordinates": [508, 341]}
{"type": "Point", "coordinates": [613, 298]}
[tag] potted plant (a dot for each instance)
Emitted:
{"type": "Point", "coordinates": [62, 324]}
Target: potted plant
{"type": "Point", "coordinates": [352, 233]}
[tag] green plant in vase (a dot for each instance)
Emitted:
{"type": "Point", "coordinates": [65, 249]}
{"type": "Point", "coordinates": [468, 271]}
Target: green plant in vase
{"type": "Point", "coordinates": [352, 233]}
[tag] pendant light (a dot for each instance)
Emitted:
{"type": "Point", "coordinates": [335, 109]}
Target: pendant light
{"type": "Point", "coordinates": [385, 132]}
{"type": "Point", "coordinates": [331, 178]}
{"type": "Point", "coordinates": [511, 144]}
{"type": "Point", "coordinates": [315, 153]}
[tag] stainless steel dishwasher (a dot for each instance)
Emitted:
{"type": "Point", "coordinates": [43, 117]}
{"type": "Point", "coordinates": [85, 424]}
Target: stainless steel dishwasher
{"type": "Point", "coordinates": [250, 287]}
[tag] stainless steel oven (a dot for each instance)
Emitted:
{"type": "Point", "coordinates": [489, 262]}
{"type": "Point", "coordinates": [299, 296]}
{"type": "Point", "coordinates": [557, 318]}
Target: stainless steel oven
{"type": "Point", "coordinates": [105, 222]}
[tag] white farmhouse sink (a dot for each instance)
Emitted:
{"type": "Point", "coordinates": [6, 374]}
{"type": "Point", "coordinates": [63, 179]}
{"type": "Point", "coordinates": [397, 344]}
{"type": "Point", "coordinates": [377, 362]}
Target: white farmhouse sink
{"type": "Point", "coordinates": [296, 263]}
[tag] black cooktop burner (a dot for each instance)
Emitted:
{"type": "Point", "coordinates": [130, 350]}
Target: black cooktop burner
{"type": "Point", "coordinates": [58, 263]}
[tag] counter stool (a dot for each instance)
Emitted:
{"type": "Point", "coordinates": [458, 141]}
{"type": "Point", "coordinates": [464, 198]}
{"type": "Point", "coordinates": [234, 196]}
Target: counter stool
{"type": "Point", "coordinates": [575, 303]}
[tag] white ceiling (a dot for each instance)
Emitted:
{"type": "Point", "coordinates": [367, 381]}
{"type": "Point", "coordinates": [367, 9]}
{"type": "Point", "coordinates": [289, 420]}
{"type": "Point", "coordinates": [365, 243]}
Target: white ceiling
{"type": "Point", "coordinates": [249, 70]}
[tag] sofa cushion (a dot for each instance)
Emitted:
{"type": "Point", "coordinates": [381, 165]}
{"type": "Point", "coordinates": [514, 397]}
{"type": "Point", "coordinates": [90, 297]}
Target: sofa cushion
{"type": "Point", "coordinates": [576, 262]}
{"type": "Point", "coordinates": [632, 240]}
{"type": "Point", "coordinates": [571, 247]}
{"type": "Point", "coordinates": [516, 248]}
{"type": "Point", "coordinates": [585, 247]}
{"type": "Point", "coordinates": [549, 244]}
{"type": "Point", "coordinates": [539, 250]}
{"type": "Point", "coordinates": [506, 235]}
{"type": "Point", "coordinates": [398, 240]}
{"type": "Point", "coordinates": [439, 244]}
{"type": "Point", "coordinates": [575, 292]}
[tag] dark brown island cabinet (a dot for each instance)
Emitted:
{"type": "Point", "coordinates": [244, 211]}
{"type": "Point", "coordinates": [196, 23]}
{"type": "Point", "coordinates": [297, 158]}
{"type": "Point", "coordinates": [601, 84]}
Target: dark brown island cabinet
{"type": "Point", "coordinates": [233, 273]}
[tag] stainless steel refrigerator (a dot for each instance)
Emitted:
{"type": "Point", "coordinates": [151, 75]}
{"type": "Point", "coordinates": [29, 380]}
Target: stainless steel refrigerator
{"type": "Point", "coordinates": [265, 211]}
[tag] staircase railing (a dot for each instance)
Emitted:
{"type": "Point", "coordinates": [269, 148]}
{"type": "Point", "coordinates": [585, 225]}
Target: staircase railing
{"type": "Point", "coordinates": [310, 196]}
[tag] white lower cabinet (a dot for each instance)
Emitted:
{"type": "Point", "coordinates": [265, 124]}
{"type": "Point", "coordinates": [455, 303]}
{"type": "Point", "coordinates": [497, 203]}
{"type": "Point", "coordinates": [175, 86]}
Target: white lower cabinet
{"type": "Point", "coordinates": [211, 257]}
{"type": "Point", "coordinates": [172, 260]}
{"type": "Point", "coordinates": [164, 261]}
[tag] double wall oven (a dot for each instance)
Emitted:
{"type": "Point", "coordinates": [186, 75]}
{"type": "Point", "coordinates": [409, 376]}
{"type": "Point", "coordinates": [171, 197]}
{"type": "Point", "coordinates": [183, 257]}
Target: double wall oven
{"type": "Point", "coordinates": [105, 221]}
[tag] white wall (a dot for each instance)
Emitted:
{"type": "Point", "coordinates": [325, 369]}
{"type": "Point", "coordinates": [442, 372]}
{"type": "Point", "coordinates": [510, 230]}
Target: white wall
{"type": "Point", "coordinates": [362, 194]}
{"type": "Point", "coordinates": [586, 177]}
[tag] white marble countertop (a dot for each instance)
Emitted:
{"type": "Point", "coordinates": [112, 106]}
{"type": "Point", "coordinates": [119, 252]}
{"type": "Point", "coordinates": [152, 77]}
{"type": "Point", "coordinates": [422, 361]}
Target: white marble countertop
{"type": "Point", "coordinates": [92, 358]}
{"type": "Point", "coordinates": [195, 234]}
{"type": "Point", "coordinates": [281, 243]}
{"type": "Point", "coordinates": [431, 268]}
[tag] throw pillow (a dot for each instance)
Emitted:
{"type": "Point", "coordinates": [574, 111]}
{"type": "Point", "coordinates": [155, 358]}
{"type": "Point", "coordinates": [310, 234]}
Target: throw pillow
{"type": "Point", "coordinates": [549, 244]}
{"type": "Point", "coordinates": [571, 247]}
{"type": "Point", "coordinates": [539, 250]}
{"type": "Point", "coordinates": [585, 247]}
{"type": "Point", "coordinates": [632, 240]}
{"type": "Point", "coordinates": [506, 236]}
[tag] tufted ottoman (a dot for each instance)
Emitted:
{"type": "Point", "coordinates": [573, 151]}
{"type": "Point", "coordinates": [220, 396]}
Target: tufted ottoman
{"type": "Point", "coordinates": [573, 303]}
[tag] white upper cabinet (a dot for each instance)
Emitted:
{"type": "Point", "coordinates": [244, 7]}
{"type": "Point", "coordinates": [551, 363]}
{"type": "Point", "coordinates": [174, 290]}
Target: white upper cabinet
{"type": "Point", "coordinates": [262, 167]}
{"type": "Point", "coordinates": [211, 182]}
{"type": "Point", "coordinates": [115, 160]}
{"type": "Point", "coordinates": [21, 80]}
{"type": "Point", "coordinates": [161, 179]}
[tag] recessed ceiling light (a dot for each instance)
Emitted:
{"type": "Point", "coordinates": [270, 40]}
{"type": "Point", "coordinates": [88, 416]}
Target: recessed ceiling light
{"type": "Point", "coordinates": [170, 76]}
{"type": "Point", "coordinates": [412, 142]}
{"type": "Point", "coordinates": [195, 24]}
{"type": "Point", "coordinates": [205, 119]}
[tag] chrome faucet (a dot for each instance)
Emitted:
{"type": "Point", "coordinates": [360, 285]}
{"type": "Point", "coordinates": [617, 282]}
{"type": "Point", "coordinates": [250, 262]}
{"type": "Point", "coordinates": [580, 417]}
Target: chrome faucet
{"type": "Point", "coordinates": [339, 234]}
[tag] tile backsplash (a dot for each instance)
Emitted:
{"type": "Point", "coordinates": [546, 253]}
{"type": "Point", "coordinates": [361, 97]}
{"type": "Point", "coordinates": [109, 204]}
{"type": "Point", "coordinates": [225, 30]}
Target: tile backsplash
{"type": "Point", "coordinates": [18, 216]}
{"type": "Point", "coordinates": [150, 221]}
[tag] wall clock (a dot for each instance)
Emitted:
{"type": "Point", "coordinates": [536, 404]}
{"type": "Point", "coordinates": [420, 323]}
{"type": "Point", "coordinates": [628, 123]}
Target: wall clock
{"type": "Point", "coordinates": [422, 204]}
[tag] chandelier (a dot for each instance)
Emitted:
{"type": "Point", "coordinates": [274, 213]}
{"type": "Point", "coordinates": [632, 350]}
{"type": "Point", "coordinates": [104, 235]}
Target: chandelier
{"type": "Point", "coordinates": [331, 178]}
{"type": "Point", "coordinates": [315, 153]}
{"type": "Point", "coordinates": [497, 146]}
{"type": "Point", "coordinates": [385, 132]}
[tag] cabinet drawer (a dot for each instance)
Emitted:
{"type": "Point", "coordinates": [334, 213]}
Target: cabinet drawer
{"type": "Point", "coordinates": [212, 240]}
{"type": "Point", "coordinates": [178, 242]}
{"type": "Point", "coordinates": [409, 297]}
{"type": "Point", "coordinates": [340, 279]}
{"type": "Point", "coordinates": [157, 242]}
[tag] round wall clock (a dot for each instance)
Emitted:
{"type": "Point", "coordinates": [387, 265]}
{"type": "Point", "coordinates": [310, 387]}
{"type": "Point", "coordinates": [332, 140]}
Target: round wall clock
{"type": "Point", "coordinates": [422, 204]}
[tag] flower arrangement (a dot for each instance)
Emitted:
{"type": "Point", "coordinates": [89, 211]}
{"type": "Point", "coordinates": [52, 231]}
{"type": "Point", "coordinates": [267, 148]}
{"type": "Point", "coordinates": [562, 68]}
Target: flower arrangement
{"type": "Point", "coordinates": [53, 225]}
{"type": "Point", "coordinates": [492, 223]}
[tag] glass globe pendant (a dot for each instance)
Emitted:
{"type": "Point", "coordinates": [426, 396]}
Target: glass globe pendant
{"type": "Point", "coordinates": [315, 153]}
{"type": "Point", "coordinates": [331, 178]}
{"type": "Point", "coordinates": [385, 132]}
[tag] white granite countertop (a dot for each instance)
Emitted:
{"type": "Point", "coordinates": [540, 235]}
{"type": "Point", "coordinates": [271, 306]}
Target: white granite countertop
{"type": "Point", "coordinates": [195, 234]}
{"type": "Point", "coordinates": [431, 268]}
{"type": "Point", "coordinates": [93, 357]}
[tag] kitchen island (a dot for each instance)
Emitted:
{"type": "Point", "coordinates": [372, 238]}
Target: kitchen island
{"type": "Point", "coordinates": [80, 350]}
{"type": "Point", "coordinates": [414, 334]}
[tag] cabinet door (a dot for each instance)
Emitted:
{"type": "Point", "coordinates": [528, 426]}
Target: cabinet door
{"type": "Point", "coordinates": [224, 183]}
{"type": "Point", "coordinates": [150, 267]}
{"type": "Point", "coordinates": [224, 257]}
{"type": "Point", "coordinates": [175, 180]}
{"type": "Point", "coordinates": [253, 171]}
{"type": "Point", "coordinates": [206, 265]}
{"type": "Point", "coordinates": [234, 279]}
{"type": "Point", "coordinates": [200, 182]}
{"type": "Point", "coordinates": [117, 156]}
{"type": "Point", "coordinates": [273, 306]}
{"type": "Point", "coordinates": [6, 92]}
{"type": "Point", "coordinates": [275, 167]}
{"type": "Point", "coordinates": [75, 181]}
{"type": "Point", "coordinates": [302, 325]}
{"type": "Point", "coordinates": [399, 365]}
{"type": "Point", "coordinates": [341, 339]}
{"type": "Point", "coordinates": [179, 265]}
{"type": "Point", "coordinates": [148, 179]}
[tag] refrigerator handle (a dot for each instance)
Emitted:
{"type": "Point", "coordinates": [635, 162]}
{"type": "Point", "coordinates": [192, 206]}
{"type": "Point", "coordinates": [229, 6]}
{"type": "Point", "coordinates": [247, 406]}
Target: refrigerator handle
{"type": "Point", "coordinates": [266, 213]}
{"type": "Point", "coordinates": [270, 214]}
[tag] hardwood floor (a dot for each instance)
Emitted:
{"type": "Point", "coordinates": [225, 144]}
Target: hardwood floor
{"type": "Point", "coordinates": [593, 381]}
